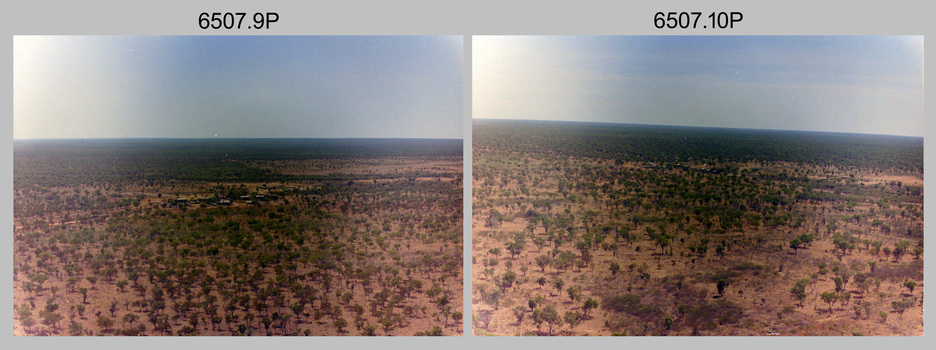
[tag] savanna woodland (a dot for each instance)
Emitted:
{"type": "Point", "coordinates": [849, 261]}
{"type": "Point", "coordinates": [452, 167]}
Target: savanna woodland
{"type": "Point", "coordinates": [610, 229]}
{"type": "Point", "coordinates": [237, 237]}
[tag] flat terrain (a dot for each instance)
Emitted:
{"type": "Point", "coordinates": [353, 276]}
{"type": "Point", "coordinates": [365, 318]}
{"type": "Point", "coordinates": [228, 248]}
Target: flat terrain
{"type": "Point", "coordinates": [238, 237]}
{"type": "Point", "coordinates": [603, 229]}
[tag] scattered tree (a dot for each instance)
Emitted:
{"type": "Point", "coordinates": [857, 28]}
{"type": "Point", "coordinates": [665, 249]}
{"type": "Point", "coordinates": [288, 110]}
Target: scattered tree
{"type": "Point", "coordinates": [830, 297]}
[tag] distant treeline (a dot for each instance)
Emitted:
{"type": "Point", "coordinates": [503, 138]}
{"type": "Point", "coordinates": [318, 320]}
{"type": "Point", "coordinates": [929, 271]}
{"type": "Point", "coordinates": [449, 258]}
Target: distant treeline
{"type": "Point", "coordinates": [649, 143]}
{"type": "Point", "coordinates": [73, 162]}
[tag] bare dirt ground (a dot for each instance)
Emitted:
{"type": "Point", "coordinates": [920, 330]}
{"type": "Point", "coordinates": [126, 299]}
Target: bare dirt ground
{"type": "Point", "coordinates": [379, 255]}
{"type": "Point", "coordinates": [672, 289]}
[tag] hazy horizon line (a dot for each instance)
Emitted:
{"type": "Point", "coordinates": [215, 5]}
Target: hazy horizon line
{"type": "Point", "coordinates": [692, 126]}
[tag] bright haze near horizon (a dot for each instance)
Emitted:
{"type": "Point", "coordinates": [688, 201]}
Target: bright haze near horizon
{"type": "Point", "coordinates": [854, 84]}
{"type": "Point", "coordinates": [237, 87]}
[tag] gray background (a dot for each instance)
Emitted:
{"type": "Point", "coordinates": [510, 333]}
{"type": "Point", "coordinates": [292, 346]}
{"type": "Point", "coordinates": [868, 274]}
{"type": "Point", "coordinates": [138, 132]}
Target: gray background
{"type": "Point", "coordinates": [411, 17]}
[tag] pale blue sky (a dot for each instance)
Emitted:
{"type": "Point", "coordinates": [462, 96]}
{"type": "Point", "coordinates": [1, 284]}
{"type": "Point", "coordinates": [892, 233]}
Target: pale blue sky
{"type": "Point", "coordinates": [237, 86]}
{"type": "Point", "coordinates": [864, 84]}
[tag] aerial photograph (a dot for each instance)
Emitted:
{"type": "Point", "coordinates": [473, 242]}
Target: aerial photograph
{"type": "Point", "coordinates": [237, 185]}
{"type": "Point", "coordinates": [697, 186]}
